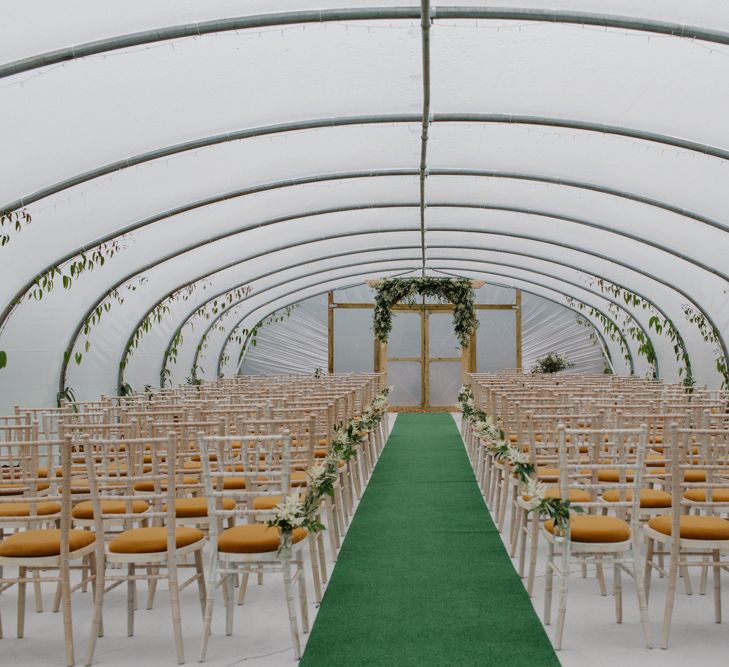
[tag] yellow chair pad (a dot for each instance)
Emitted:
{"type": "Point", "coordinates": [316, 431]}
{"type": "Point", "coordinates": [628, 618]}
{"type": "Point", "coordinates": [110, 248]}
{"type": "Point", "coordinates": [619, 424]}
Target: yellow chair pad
{"type": "Point", "coordinates": [595, 529]}
{"type": "Point", "coordinates": [254, 538]}
{"type": "Point", "coordinates": [696, 495]}
{"type": "Point", "coordinates": [548, 473]}
{"type": "Point", "coordinates": [321, 453]}
{"type": "Point", "coordinates": [268, 502]}
{"type": "Point", "coordinates": [198, 507]}
{"type": "Point", "coordinates": [299, 478]}
{"type": "Point", "coordinates": [613, 475]}
{"type": "Point", "coordinates": [323, 443]}
{"type": "Point", "coordinates": [152, 540]}
{"type": "Point", "coordinates": [85, 510]}
{"type": "Point", "coordinates": [23, 509]}
{"type": "Point", "coordinates": [148, 485]}
{"type": "Point", "coordinates": [575, 495]}
{"type": "Point", "coordinates": [43, 543]}
{"type": "Point", "coordinates": [693, 527]}
{"type": "Point", "coordinates": [694, 475]}
{"type": "Point", "coordinates": [649, 498]}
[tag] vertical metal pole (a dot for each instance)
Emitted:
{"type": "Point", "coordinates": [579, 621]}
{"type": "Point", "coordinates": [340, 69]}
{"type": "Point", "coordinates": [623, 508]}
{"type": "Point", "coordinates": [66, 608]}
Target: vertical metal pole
{"type": "Point", "coordinates": [330, 330]}
{"type": "Point", "coordinates": [518, 330]}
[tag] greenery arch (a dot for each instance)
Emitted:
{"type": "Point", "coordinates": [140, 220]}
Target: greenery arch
{"type": "Point", "coordinates": [458, 291]}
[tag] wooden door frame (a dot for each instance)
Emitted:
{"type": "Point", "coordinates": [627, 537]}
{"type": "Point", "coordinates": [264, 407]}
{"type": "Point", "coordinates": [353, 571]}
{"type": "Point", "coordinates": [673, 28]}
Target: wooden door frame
{"type": "Point", "coordinates": [468, 353]}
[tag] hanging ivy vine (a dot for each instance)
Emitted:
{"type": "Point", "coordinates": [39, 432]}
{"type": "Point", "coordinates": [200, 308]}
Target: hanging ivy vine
{"type": "Point", "coordinates": [457, 291]}
{"type": "Point", "coordinates": [710, 335]}
{"type": "Point", "coordinates": [660, 323]}
{"type": "Point", "coordinates": [610, 329]}
{"type": "Point", "coordinates": [12, 220]}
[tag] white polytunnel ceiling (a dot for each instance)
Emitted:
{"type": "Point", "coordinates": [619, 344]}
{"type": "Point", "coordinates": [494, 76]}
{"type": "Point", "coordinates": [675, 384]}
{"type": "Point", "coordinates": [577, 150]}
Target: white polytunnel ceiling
{"type": "Point", "coordinates": [266, 152]}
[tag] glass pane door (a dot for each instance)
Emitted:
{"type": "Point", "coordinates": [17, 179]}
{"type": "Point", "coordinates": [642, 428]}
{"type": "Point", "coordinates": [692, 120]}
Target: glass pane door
{"type": "Point", "coordinates": [444, 360]}
{"type": "Point", "coordinates": [404, 359]}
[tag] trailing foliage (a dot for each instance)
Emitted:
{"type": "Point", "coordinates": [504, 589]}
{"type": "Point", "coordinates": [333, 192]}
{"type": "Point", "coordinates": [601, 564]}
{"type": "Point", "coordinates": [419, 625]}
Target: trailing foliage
{"type": "Point", "coordinates": [660, 323]}
{"type": "Point", "coordinates": [609, 328]}
{"type": "Point", "coordinates": [492, 436]}
{"type": "Point", "coordinates": [12, 220]}
{"type": "Point", "coordinates": [297, 511]}
{"type": "Point", "coordinates": [457, 291]}
{"type": "Point", "coordinates": [710, 335]}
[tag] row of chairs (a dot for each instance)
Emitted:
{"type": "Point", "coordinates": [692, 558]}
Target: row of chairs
{"type": "Point", "coordinates": [176, 487]}
{"type": "Point", "coordinates": [645, 460]}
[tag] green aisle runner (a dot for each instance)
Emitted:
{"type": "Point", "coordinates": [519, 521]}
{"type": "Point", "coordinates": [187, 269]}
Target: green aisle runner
{"type": "Point", "coordinates": [423, 578]}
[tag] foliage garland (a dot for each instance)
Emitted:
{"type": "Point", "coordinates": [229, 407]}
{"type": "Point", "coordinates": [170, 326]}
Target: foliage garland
{"type": "Point", "coordinates": [297, 511]}
{"type": "Point", "coordinates": [457, 291]}
{"type": "Point", "coordinates": [710, 335]}
{"type": "Point", "coordinates": [484, 427]}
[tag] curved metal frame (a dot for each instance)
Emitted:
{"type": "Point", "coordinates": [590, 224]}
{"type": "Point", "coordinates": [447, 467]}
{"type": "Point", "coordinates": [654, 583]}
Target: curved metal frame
{"type": "Point", "coordinates": [398, 205]}
{"type": "Point", "coordinates": [10, 307]}
{"type": "Point", "coordinates": [529, 271]}
{"type": "Point", "coordinates": [360, 14]}
{"type": "Point", "coordinates": [218, 317]}
{"type": "Point", "coordinates": [575, 248]}
{"type": "Point", "coordinates": [268, 303]}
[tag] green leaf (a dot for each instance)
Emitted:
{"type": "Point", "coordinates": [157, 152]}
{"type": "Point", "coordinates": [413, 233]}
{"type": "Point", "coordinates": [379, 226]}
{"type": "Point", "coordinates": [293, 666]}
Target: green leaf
{"type": "Point", "coordinates": [78, 356]}
{"type": "Point", "coordinates": [3, 358]}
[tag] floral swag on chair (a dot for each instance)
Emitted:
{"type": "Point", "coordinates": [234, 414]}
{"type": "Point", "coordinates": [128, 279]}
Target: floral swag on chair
{"type": "Point", "coordinates": [295, 511]}
{"type": "Point", "coordinates": [483, 426]}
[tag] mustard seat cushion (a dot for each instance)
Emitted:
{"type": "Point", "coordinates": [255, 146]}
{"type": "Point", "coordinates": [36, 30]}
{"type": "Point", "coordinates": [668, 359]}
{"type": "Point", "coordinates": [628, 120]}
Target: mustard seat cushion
{"type": "Point", "coordinates": [254, 538]}
{"type": "Point", "coordinates": [268, 502]}
{"type": "Point", "coordinates": [198, 507]}
{"type": "Point", "coordinates": [595, 529]}
{"type": "Point", "coordinates": [694, 475]}
{"type": "Point", "coordinates": [693, 527]}
{"type": "Point", "coordinates": [299, 478]}
{"type": "Point", "coordinates": [15, 489]}
{"type": "Point", "coordinates": [147, 485]}
{"type": "Point", "coordinates": [323, 442]}
{"type": "Point", "coordinates": [23, 509]}
{"type": "Point", "coordinates": [575, 495]}
{"type": "Point", "coordinates": [152, 540]}
{"type": "Point", "coordinates": [85, 510]}
{"type": "Point", "coordinates": [613, 475]}
{"type": "Point", "coordinates": [649, 498]}
{"type": "Point", "coordinates": [321, 453]}
{"type": "Point", "coordinates": [43, 543]}
{"type": "Point", "coordinates": [696, 495]}
{"type": "Point", "coordinates": [547, 472]}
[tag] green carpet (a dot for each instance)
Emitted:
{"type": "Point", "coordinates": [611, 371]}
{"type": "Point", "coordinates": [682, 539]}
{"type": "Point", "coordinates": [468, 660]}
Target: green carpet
{"type": "Point", "coordinates": [422, 577]}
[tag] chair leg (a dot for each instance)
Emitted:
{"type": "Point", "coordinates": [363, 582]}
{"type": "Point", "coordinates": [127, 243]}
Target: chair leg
{"type": "Point", "coordinates": [322, 557]}
{"type": "Point", "coordinates": [717, 584]}
{"type": "Point", "coordinates": [533, 546]}
{"type": "Point", "coordinates": [548, 584]}
{"type": "Point", "coordinates": [290, 604]}
{"type": "Point", "coordinates": [314, 558]}
{"type": "Point", "coordinates": [131, 596]}
{"type": "Point", "coordinates": [152, 586]}
{"type": "Point", "coordinates": [515, 528]}
{"type": "Point", "coordinates": [525, 527]}
{"type": "Point", "coordinates": [67, 614]}
{"type": "Point", "coordinates": [229, 588]}
{"type": "Point", "coordinates": [242, 588]}
{"type": "Point", "coordinates": [212, 583]}
{"type": "Point", "coordinates": [670, 593]}
{"type": "Point", "coordinates": [175, 606]}
{"type": "Point", "coordinates": [99, 569]}
{"type": "Point", "coordinates": [563, 584]}
{"type": "Point", "coordinates": [200, 572]}
{"type": "Point", "coordinates": [648, 570]}
{"type": "Point", "coordinates": [22, 575]}
{"type": "Point", "coordinates": [302, 594]}
{"type": "Point", "coordinates": [642, 597]}
{"type": "Point", "coordinates": [600, 572]}
{"type": "Point", "coordinates": [618, 590]}
{"type": "Point", "coordinates": [37, 591]}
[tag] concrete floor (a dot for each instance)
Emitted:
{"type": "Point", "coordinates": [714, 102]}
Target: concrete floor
{"type": "Point", "coordinates": [261, 634]}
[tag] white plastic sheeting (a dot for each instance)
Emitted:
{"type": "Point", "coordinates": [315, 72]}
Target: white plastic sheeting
{"type": "Point", "coordinates": [298, 343]}
{"type": "Point", "coordinates": [568, 141]}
